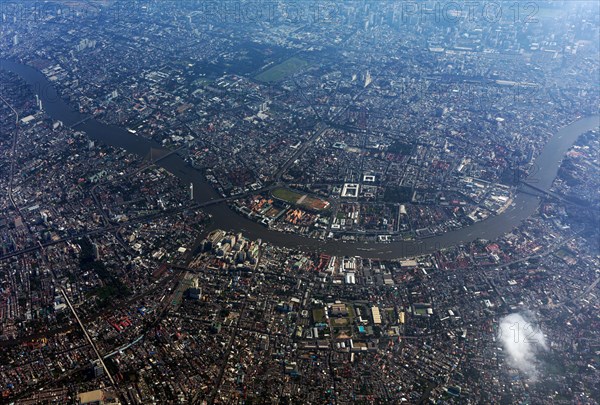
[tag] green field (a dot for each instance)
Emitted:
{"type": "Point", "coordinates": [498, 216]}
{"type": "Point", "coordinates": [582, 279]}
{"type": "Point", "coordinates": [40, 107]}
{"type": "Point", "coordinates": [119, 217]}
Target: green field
{"type": "Point", "coordinates": [421, 311]}
{"type": "Point", "coordinates": [318, 315]}
{"type": "Point", "coordinates": [283, 70]}
{"type": "Point", "coordinates": [287, 195]}
{"type": "Point", "coordinates": [300, 199]}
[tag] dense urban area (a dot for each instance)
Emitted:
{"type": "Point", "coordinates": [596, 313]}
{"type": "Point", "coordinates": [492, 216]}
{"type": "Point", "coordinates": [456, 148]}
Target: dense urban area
{"type": "Point", "coordinates": [176, 175]}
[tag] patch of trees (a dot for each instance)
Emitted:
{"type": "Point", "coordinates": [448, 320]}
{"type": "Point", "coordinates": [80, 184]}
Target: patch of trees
{"type": "Point", "coordinates": [112, 287]}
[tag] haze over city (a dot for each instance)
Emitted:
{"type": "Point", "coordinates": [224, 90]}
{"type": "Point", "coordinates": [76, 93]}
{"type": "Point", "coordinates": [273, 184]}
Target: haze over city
{"type": "Point", "coordinates": [299, 202]}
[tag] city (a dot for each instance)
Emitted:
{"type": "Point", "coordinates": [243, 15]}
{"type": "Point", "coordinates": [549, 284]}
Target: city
{"type": "Point", "coordinates": [299, 202]}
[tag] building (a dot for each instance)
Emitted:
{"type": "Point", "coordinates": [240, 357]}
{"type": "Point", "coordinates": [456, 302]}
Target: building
{"type": "Point", "coordinates": [376, 315]}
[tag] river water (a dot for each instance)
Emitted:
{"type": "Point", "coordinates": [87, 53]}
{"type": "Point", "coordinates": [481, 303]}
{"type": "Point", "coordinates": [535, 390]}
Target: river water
{"type": "Point", "coordinates": [524, 205]}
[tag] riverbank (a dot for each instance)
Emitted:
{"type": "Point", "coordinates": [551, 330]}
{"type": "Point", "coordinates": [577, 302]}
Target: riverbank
{"type": "Point", "coordinates": [524, 205]}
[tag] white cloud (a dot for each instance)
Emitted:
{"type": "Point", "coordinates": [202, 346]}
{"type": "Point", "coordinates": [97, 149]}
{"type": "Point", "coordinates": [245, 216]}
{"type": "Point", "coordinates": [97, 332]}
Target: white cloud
{"type": "Point", "coordinates": [522, 340]}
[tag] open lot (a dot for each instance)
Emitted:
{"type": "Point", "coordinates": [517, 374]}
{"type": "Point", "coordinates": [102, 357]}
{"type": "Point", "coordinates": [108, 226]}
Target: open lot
{"type": "Point", "coordinates": [300, 199]}
{"type": "Point", "coordinates": [282, 70]}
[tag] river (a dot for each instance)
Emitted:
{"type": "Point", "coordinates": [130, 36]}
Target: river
{"type": "Point", "coordinates": [524, 205]}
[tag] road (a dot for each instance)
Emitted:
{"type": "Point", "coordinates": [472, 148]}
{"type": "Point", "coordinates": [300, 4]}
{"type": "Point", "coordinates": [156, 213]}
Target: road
{"type": "Point", "coordinates": [13, 158]}
{"type": "Point", "coordinates": [550, 194]}
{"type": "Point", "coordinates": [89, 339]}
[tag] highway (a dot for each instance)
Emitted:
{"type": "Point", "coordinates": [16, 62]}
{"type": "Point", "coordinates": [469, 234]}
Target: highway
{"type": "Point", "coordinates": [89, 339]}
